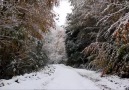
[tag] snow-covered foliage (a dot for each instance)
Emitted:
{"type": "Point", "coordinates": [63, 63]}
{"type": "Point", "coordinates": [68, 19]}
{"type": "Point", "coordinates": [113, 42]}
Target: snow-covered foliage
{"type": "Point", "coordinates": [100, 27]}
{"type": "Point", "coordinates": [22, 23]}
{"type": "Point", "coordinates": [54, 45]}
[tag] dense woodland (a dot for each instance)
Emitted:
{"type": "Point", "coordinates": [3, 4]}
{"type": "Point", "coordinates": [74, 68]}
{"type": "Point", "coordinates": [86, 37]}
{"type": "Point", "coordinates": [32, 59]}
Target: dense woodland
{"type": "Point", "coordinates": [22, 23]}
{"type": "Point", "coordinates": [98, 36]}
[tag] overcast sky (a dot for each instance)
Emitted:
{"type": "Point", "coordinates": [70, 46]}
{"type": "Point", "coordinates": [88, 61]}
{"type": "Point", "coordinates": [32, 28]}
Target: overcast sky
{"type": "Point", "coordinates": [62, 10]}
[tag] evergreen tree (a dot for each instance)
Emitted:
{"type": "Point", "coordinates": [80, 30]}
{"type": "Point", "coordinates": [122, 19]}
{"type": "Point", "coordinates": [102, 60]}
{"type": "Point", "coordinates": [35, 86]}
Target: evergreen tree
{"type": "Point", "coordinates": [98, 31]}
{"type": "Point", "coordinates": [22, 23]}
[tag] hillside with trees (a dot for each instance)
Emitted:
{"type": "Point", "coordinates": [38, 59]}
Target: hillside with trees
{"type": "Point", "coordinates": [98, 36]}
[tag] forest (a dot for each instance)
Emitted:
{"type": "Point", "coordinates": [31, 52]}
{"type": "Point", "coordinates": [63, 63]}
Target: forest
{"type": "Point", "coordinates": [92, 47]}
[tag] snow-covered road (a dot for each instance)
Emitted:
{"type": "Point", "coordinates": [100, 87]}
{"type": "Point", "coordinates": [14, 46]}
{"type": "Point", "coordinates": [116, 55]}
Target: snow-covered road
{"type": "Point", "coordinates": [64, 77]}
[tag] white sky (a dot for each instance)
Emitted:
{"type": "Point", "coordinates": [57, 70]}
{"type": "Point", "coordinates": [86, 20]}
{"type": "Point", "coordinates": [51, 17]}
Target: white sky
{"type": "Point", "coordinates": [62, 11]}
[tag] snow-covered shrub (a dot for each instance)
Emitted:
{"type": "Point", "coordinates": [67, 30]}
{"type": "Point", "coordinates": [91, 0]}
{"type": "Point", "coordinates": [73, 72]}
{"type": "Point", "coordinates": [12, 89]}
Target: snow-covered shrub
{"type": "Point", "coordinates": [101, 56]}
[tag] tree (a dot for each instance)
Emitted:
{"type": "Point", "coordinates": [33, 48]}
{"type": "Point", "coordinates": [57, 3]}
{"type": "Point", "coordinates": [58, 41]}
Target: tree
{"type": "Point", "coordinates": [22, 23]}
{"type": "Point", "coordinates": [98, 31]}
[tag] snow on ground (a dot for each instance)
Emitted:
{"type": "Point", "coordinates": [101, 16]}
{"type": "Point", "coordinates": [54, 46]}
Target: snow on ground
{"type": "Point", "coordinates": [108, 82]}
{"type": "Point", "coordinates": [33, 81]}
{"type": "Point", "coordinates": [64, 77]}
